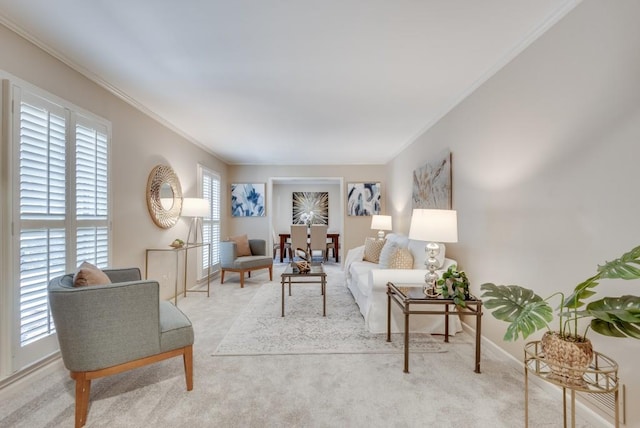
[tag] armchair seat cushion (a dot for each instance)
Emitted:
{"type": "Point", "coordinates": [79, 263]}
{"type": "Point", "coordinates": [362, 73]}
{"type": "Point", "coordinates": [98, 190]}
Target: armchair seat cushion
{"type": "Point", "coordinates": [248, 262]}
{"type": "Point", "coordinates": [176, 330]}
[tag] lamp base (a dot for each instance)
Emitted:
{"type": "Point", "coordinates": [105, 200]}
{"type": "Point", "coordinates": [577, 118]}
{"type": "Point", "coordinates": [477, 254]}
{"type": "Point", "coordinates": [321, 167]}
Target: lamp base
{"type": "Point", "coordinates": [381, 235]}
{"type": "Point", "coordinates": [432, 264]}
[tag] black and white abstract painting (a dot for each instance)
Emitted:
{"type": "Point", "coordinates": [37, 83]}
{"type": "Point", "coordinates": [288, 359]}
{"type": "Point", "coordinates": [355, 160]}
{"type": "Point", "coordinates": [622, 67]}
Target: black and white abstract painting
{"type": "Point", "coordinates": [432, 184]}
{"type": "Point", "coordinates": [247, 200]}
{"type": "Point", "coordinates": [310, 208]}
{"type": "Point", "coordinates": [363, 199]}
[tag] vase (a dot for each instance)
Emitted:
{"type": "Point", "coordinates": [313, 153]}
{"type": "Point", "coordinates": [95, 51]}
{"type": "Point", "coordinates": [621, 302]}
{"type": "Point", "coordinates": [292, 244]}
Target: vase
{"type": "Point", "coordinates": [567, 359]}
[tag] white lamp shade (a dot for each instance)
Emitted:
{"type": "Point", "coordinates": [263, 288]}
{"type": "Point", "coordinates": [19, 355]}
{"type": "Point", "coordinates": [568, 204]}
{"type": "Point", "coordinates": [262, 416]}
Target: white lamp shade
{"type": "Point", "coordinates": [195, 207]}
{"type": "Point", "coordinates": [381, 222]}
{"type": "Point", "coordinates": [434, 225]}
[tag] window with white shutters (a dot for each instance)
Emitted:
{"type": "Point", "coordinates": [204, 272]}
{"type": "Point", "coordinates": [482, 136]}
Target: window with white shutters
{"type": "Point", "coordinates": [210, 185]}
{"type": "Point", "coordinates": [61, 208]}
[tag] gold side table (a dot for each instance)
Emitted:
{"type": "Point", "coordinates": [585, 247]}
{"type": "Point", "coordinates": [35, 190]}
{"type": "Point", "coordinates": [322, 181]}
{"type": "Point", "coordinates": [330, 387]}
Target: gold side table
{"type": "Point", "coordinates": [601, 377]}
{"type": "Point", "coordinates": [177, 251]}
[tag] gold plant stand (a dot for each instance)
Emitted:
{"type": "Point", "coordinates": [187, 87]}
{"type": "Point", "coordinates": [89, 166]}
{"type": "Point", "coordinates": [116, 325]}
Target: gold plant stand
{"type": "Point", "coordinates": [600, 377]}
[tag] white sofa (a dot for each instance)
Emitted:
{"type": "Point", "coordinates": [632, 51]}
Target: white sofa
{"type": "Point", "coordinates": [367, 282]}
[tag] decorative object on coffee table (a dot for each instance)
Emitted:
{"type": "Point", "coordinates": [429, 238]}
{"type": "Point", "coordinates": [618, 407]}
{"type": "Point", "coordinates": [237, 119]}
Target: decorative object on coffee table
{"type": "Point", "coordinates": [434, 226]}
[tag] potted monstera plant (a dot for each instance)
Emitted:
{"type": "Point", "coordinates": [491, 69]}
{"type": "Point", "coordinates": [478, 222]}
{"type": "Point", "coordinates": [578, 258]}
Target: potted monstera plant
{"type": "Point", "coordinates": [567, 350]}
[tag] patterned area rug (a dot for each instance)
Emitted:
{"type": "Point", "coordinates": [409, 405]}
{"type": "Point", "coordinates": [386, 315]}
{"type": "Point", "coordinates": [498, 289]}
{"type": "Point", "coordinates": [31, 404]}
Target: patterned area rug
{"type": "Point", "coordinates": [261, 330]}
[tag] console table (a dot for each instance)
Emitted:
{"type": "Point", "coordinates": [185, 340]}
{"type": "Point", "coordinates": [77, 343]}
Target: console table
{"type": "Point", "coordinates": [333, 236]}
{"type": "Point", "coordinates": [177, 250]}
{"type": "Point", "coordinates": [405, 300]}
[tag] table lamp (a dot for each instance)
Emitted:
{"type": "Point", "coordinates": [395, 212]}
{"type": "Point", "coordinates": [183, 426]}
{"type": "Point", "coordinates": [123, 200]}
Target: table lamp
{"type": "Point", "coordinates": [381, 223]}
{"type": "Point", "coordinates": [433, 226]}
{"type": "Point", "coordinates": [196, 208]}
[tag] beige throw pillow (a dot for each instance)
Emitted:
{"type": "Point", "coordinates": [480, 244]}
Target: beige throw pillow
{"type": "Point", "coordinates": [372, 248]}
{"type": "Point", "coordinates": [88, 274]}
{"type": "Point", "coordinates": [242, 245]}
{"type": "Point", "coordinates": [401, 259]}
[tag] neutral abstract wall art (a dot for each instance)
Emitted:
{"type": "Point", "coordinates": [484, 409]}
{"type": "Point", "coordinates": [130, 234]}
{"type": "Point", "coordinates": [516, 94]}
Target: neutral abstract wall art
{"type": "Point", "coordinates": [432, 183]}
{"type": "Point", "coordinates": [247, 200]}
{"type": "Point", "coordinates": [363, 199]}
{"type": "Point", "coordinates": [310, 208]}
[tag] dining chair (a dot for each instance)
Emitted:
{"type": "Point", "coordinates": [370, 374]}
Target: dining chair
{"type": "Point", "coordinates": [276, 246]}
{"type": "Point", "coordinates": [299, 239]}
{"type": "Point", "coordinates": [318, 240]}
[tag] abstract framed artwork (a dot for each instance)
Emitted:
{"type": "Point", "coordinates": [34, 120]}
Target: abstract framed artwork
{"type": "Point", "coordinates": [363, 199]}
{"type": "Point", "coordinates": [432, 183]}
{"type": "Point", "coordinates": [310, 208]}
{"type": "Point", "coordinates": [248, 200]}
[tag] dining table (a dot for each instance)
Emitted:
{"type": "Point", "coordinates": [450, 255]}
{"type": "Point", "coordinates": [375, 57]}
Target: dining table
{"type": "Point", "coordinates": [335, 237]}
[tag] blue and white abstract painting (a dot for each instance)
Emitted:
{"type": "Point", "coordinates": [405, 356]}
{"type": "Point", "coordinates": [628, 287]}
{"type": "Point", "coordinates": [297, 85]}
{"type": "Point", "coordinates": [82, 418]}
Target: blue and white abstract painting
{"type": "Point", "coordinates": [363, 199]}
{"type": "Point", "coordinates": [247, 200]}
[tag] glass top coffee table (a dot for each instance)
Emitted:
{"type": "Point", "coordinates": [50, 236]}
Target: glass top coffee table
{"type": "Point", "coordinates": [316, 275]}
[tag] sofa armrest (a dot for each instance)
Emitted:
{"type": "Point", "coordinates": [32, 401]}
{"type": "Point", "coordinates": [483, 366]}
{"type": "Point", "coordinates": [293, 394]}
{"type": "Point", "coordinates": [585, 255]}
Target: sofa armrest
{"type": "Point", "coordinates": [95, 323]}
{"type": "Point", "coordinates": [353, 255]}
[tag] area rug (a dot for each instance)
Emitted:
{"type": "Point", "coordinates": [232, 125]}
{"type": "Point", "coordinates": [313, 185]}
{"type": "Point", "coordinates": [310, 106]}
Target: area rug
{"type": "Point", "coordinates": [261, 329]}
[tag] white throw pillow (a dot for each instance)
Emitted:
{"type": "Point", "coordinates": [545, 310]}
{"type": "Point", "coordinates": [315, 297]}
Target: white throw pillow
{"type": "Point", "coordinates": [385, 254]}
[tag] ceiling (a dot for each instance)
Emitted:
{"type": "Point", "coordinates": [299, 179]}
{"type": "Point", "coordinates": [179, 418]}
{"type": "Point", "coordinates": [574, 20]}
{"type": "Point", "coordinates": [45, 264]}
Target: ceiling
{"type": "Point", "coordinates": [288, 82]}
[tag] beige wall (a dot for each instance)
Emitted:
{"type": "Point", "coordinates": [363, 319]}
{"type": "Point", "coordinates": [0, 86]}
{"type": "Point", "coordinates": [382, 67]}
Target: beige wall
{"type": "Point", "coordinates": [138, 144]}
{"type": "Point", "coordinates": [545, 168]}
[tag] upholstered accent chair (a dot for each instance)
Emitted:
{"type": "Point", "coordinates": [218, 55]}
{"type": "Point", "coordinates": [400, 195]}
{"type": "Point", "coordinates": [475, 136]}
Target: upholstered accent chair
{"type": "Point", "coordinates": [231, 260]}
{"type": "Point", "coordinates": [108, 329]}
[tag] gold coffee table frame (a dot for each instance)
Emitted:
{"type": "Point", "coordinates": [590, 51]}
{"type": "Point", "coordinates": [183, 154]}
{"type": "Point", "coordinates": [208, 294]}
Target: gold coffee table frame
{"type": "Point", "coordinates": [317, 275]}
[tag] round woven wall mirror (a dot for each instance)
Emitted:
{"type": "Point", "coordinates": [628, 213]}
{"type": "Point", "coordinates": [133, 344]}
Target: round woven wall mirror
{"type": "Point", "coordinates": [164, 196]}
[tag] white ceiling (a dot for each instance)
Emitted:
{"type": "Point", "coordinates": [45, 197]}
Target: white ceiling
{"type": "Point", "coordinates": [289, 81]}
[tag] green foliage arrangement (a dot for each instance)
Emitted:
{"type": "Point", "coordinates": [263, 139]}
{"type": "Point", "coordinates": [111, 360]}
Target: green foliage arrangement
{"type": "Point", "coordinates": [526, 312]}
{"type": "Point", "coordinates": [459, 285]}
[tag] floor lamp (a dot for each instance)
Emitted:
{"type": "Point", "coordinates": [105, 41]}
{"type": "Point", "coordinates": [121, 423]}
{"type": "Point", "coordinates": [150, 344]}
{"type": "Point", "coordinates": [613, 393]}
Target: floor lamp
{"type": "Point", "coordinates": [433, 226]}
{"type": "Point", "coordinates": [196, 208]}
{"type": "Point", "coordinates": [381, 223]}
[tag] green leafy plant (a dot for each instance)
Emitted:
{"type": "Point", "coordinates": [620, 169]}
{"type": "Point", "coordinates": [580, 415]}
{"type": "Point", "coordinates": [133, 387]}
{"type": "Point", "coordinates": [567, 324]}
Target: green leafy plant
{"type": "Point", "coordinates": [459, 285]}
{"type": "Point", "coordinates": [526, 312]}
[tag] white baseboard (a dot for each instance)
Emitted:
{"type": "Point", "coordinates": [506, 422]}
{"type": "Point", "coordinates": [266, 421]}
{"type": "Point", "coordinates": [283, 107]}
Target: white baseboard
{"type": "Point", "coordinates": [30, 376]}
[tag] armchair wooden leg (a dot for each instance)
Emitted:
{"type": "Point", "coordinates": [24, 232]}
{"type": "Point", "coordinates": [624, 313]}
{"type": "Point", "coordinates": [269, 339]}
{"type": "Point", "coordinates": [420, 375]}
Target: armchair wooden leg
{"type": "Point", "coordinates": [83, 390]}
{"type": "Point", "coordinates": [241, 279]}
{"type": "Point", "coordinates": [221, 276]}
{"type": "Point", "coordinates": [270, 273]}
{"type": "Point", "coordinates": [188, 366]}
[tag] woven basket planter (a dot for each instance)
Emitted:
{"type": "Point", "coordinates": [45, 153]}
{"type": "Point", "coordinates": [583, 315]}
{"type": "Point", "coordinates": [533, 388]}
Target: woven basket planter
{"type": "Point", "coordinates": [567, 359]}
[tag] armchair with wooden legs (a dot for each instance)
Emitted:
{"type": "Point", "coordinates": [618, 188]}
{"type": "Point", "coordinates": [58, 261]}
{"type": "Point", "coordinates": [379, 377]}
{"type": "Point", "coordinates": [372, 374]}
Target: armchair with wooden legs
{"type": "Point", "coordinates": [108, 329]}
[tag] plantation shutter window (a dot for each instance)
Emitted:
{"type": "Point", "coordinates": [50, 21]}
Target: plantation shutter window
{"type": "Point", "coordinates": [60, 208]}
{"type": "Point", "coordinates": [210, 183]}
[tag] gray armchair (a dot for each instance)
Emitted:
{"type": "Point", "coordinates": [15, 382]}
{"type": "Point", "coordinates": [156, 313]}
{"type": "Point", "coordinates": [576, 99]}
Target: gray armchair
{"type": "Point", "coordinates": [230, 261]}
{"type": "Point", "coordinates": [108, 329]}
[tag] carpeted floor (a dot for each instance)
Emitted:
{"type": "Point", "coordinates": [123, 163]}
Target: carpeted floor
{"type": "Point", "coordinates": [292, 390]}
{"type": "Point", "coordinates": [261, 329]}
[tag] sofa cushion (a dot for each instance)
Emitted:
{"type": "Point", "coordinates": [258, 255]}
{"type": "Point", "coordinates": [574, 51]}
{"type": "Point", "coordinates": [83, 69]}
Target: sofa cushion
{"type": "Point", "coordinates": [417, 249]}
{"type": "Point", "coordinates": [88, 274]}
{"type": "Point", "coordinates": [401, 259]}
{"type": "Point", "coordinates": [242, 245]}
{"type": "Point", "coordinates": [372, 248]}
